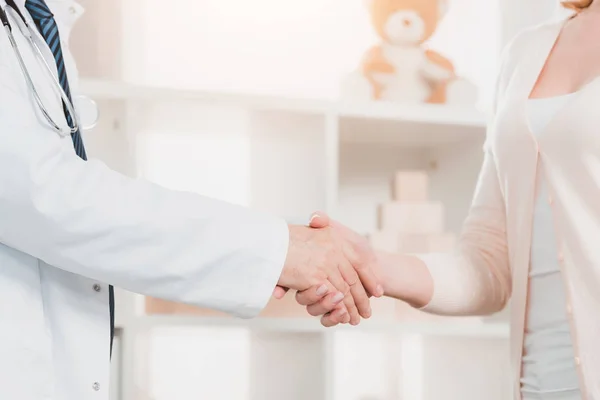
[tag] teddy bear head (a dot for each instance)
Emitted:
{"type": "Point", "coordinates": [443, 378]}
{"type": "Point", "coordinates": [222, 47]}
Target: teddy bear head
{"type": "Point", "coordinates": [406, 22]}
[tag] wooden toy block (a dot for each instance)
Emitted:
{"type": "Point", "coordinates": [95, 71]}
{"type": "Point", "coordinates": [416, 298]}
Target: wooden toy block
{"type": "Point", "coordinates": [411, 186]}
{"type": "Point", "coordinates": [287, 307]}
{"type": "Point", "coordinates": [284, 308]}
{"type": "Point", "coordinates": [441, 243]}
{"type": "Point", "coordinates": [424, 218]}
{"type": "Point", "coordinates": [164, 307]}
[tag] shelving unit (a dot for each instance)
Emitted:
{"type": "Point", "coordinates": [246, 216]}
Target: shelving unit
{"type": "Point", "coordinates": [291, 157]}
{"type": "Point", "coordinates": [297, 325]}
{"type": "Point", "coordinates": [457, 123]}
{"type": "Point", "coordinates": [334, 140]}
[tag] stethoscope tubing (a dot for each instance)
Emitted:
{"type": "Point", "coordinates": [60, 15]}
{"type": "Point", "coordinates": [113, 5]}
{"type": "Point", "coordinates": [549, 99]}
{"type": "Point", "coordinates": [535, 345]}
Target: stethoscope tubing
{"type": "Point", "coordinates": [40, 59]}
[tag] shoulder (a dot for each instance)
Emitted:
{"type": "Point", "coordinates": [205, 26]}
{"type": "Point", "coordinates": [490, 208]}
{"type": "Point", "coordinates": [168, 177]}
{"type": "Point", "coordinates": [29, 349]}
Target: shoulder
{"type": "Point", "coordinates": [523, 46]}
{"type": "Point", "coordinates": [520, 45]}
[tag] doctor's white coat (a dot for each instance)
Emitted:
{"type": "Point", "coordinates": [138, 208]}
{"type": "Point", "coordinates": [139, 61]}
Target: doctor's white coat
{"type": "Point", "coordinates": [69, 228]}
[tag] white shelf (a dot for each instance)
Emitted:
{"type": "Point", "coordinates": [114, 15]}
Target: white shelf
{"type": "Point", "coordinates": [362, 122]}
{"type": "Point", "coordinates": [112, 90]}
{"type": "Point", "coordinates": [308, 325]}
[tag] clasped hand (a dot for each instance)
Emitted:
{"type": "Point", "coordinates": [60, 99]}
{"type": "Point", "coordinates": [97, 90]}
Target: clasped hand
{"type": "Point", "coordinates": [333, 270]}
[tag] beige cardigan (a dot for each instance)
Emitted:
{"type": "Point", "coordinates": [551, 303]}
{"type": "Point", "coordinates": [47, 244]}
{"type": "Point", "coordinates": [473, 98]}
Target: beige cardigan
{"type": "Point", "coordinates": [491, 265]}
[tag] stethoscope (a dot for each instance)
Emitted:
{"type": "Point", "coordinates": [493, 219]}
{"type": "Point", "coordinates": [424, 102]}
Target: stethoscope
{"type": "Point", "coordinates": [83, 102]}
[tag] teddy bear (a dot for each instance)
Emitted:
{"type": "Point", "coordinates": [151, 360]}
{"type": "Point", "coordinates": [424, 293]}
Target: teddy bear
{"type": "Point", "coordinates": [399, 68]}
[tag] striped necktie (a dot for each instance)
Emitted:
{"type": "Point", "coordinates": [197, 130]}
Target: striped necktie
{"type": "Point", "coordinates": [46, 25]}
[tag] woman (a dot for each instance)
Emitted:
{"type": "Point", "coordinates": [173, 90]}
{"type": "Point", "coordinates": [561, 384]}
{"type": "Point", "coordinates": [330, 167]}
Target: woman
{"type": "Point", "coordinates": [533, 232]}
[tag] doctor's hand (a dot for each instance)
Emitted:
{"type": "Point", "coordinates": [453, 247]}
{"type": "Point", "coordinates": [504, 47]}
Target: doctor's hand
{"type": "Point", "coordinates": [322, 255]}
{"type": "Point", "coordinates": [364, 251]}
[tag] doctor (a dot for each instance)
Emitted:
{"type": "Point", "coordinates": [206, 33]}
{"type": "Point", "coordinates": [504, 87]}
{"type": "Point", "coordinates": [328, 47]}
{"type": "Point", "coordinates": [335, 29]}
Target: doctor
{"type": "Point", "coordinates": [70, 228]}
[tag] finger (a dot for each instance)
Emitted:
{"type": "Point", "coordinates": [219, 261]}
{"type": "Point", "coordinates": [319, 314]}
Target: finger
{"type": "Point", "coordinates": [336, 278]}
{"type": "Point", "coordinates": [319, 220]}
{"type": "Point", "coordinates": [363, 259]}
{"type": "Point", "coordinates": [352, 309]}
{"type": "Point", "coordinates": [350, 304]}
{"type": "Point", "coordinates": [368, 279]}
{"type": "Point", "coordinates": [279, 292]}
{"type": "Point", "coordinates": [361, 300]}
{"type": "Point", "coordinates": [338, 316]}
{"type": "Point", "coordinates": [357, 292]}
{"type": "Point", "coordinates": [327, 304]}
{"type": "Point", "coordinates": [315, 293]}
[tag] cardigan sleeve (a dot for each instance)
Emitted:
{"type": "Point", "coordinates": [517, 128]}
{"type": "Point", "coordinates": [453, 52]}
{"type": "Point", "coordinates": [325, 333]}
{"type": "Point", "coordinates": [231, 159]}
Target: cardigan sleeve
{"type": "Point", "coordinates": [476, 279]}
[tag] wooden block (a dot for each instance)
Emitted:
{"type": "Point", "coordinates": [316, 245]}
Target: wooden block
{"type": "Point", "coordinates": [443, 243]}
{"type": "Point", "coordinates": [425, 218]}
{"type": "Point", "coordinates": [162, 307]}
{"type": "Point", "coordinates": [411, 186]}
{"type": "Point", "coordinates": [287, 307]}
{"type": "Point", "coordinates": [284, 308]}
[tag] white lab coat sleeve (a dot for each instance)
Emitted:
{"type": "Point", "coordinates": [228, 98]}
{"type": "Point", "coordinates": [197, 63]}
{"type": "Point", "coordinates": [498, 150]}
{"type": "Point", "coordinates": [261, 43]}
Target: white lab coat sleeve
{"type": "Point", "coordinates": [84, 218]}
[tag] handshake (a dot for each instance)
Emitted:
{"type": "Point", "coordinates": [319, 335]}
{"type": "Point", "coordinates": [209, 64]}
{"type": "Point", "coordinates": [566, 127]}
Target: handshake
{"type": "Point", "coordinates": [333, 269]}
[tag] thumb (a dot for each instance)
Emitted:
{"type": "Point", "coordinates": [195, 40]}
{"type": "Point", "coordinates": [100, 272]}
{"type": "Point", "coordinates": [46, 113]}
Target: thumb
{"type": "Point", "coordinates": [319, 220]}
{"type": "Point", "coordinates": [279, 292]}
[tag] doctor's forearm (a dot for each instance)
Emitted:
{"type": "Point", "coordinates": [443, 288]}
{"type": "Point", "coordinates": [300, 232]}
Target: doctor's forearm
{"type": "Point", "coordinates": [86, 219]}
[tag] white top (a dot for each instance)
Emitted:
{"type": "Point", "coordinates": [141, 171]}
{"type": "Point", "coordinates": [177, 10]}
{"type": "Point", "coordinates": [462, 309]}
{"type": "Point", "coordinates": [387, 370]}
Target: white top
{"type": "Point", "coordinates": [549, 371]}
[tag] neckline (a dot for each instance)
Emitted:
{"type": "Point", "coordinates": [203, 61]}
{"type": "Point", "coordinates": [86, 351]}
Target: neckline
{"type": "Point", "coordinates": [559, 28]}
{"type": "Point", "coordinates": [538, 64]}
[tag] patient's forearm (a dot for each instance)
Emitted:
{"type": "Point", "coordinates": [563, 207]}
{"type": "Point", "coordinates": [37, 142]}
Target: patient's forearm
{"type": "Point", "coordinates": [406, 278]}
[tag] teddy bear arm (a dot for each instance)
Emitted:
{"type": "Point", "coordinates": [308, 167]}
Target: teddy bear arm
{"type": "Point", "coordinates": [374, 62]}
{"type": "Point", "coordinates": [437, 67]}
{"type": "Point", "coordinates": [436, 58]}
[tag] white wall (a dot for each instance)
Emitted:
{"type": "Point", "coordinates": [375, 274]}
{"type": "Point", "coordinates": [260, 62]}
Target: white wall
{"type": "Point", "coordinates": [295, 48]}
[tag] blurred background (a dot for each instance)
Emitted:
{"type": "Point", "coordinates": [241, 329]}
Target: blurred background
{"type": "Point", "coordinates": [280, 105]}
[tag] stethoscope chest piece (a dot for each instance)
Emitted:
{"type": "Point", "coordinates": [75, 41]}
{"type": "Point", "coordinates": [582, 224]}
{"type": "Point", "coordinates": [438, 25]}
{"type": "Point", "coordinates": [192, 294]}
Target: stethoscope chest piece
{"type": "Point", "coordinates": [87, 112]}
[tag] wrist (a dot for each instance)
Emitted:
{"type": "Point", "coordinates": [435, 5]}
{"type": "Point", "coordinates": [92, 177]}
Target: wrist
{"type": "Point", "coordinates": [291, 258]}
{"type": "Point", "coordinates": [297, 258]}
{"type": "Point", "coordinates": [406, 278]}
